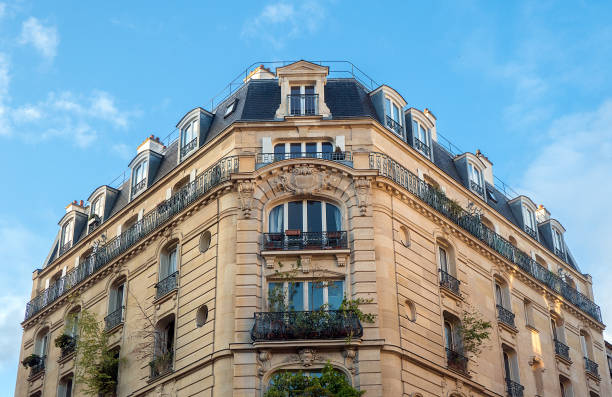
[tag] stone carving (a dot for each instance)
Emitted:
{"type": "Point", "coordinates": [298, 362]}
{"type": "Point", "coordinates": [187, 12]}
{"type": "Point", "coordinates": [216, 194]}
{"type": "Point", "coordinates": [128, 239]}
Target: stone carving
{"type": "Point", "coordinates": [362, 188]}
{"type": "Point", "coordinates": [308, 356]}
{"type": "Point", "coordinates": [350, 359]}
{"type": "Point", "coordinates": [245, 193]}
{"type": "Point", "coordinates": [263, 358]}
{"type": "Point", "coordinates": [304, 179]}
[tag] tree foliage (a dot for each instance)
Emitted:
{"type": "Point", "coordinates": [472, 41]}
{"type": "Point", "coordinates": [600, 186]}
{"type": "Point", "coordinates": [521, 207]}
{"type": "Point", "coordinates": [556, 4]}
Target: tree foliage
{"type": "Point", "coordinates": [474, 331]}
{"type": "Point", "coordinates": [331, 383]}
{"type": "Point", "coordinates": [96, 364]}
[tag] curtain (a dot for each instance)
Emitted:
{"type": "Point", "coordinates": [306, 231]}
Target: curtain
{"type": "Point", "coordinates": [276, 219]}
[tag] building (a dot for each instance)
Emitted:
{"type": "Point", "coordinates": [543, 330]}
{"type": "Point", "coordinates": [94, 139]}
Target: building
{"type": "Point", "coordinates": [304, 164]}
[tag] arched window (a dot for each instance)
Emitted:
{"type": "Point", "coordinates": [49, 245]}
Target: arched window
{"type": "Point", "coordinates": [393, 119]}
{"type": "Point", "coordinates": [475, 177]}
{"type": "Point", "coordinates": [168, 263]}
{"type": "Point", "coordinates": [446, 265]}
{"type": "Point", "coordinates": [96, 207]}
{"type": "Point", "coordinates": [566, 387]}
{"type": "Point", "coordinates": [72, 322]}
{"type": "Point", "coordinates": [64, 388]}
{"type": "Point", "coordinates": [558, 245]}
{"type": "Point", "coordinates": [139, 177]}
{"type": "Point", "coordinates": [67, 235]}
{"type": "Point", "coordinates": [541, 261]}
{"type": "Point", "coordinates": [41, 344]}
{"type": "Point", "coordinates": [163, 354]}
{"type": "Point", "coordinates": [513, 241]}
{"type": "Point", "coordinates": [422, 136]}
{"type": "Point", "coordinates": [410, 309]}
{"type": "Point", "coordinates": [502, 300]}
{"type": "Point", "coordinates": [585, 344]}
{"type": "Point", "coordinates": [511, 369]}
{"type": "Point", "coordinates": [453, 343]}
{"type": "Point", "coordinates": [305, 216]}
{"type": "Point", "coordinates": [189, 138]}
{"type": "Point", "coordinates": [180, 184]}
{"type": "Point", "coordinates": [116, 304]}
{"type": "Point", "coordinates": [201, 316]}
{"type": "Point", "coordinates": [487, 222]}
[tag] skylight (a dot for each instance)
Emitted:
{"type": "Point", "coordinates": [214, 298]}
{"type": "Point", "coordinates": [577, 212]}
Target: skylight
{"type": "Point", "coordinates": [231, 107]}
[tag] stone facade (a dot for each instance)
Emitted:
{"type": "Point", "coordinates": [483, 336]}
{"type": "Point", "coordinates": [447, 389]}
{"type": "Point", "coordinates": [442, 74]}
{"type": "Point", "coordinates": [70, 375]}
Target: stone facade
{"type": "Point", "coordinates": [392, 255]}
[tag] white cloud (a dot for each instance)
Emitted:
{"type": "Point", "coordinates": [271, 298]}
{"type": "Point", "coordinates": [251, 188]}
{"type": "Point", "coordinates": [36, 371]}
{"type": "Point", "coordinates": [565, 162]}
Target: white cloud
{"type": "Point", "coordinates": [571, 177]}
{"type": "Point", "coordinates": [123, 151]}
{"type": "Point", "coordinates": [44, 38]}
{"type": "Point", "coordinates": [281, 21]}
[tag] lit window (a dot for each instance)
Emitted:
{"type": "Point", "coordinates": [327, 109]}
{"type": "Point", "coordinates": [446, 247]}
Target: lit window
{"type": "Point", "coordinates": [231, 107]}
{"type": "Point", "coordinates": [305, 295]}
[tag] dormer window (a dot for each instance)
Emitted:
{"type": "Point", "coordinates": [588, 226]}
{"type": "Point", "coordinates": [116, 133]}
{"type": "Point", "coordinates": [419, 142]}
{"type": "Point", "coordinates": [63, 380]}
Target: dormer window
{"type": "Point", "coordinates": [231, 107]}
{"type": "Point", "coordinates": [303, 101]}
{"type": "Point", "coordinates": [189, 139]}
{"type": "Point", "coordinates": [96, 207]}
{"type": "Point", "coordinates": [529, 221]}
{"type": "Point", "coordinates": [475, 179]}
{"type": "Point", "coordinates": [67, 233]}
{"type": "Point", "coordinates": [558, 242]}
{"type": "Point", "coordinates": [421, 137]}
{"type": "Point", "coordinates": [392, 116]}
{"type": "Point", "coordinates": [139, 178]}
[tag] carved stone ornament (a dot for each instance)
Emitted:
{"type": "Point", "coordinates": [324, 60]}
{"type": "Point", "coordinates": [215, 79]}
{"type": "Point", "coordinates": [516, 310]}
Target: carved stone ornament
{"type": "Point", "coordinates": [308, 356]}
{"type": "Point", "coordinates": [362, 188]}
{"type": "Point", "coordinates": [263, 358]}
{"type": "Point", "coordinates": [305, 179]}
{"type": "Point", "coordinates": [350, 359]}
{"type": "Point", "coordinates": [245, 193]}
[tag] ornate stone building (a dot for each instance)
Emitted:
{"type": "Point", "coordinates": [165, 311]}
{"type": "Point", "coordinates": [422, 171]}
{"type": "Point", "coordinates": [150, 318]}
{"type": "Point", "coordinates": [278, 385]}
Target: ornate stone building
{"type": "Point", "coordinates": [304, 164]}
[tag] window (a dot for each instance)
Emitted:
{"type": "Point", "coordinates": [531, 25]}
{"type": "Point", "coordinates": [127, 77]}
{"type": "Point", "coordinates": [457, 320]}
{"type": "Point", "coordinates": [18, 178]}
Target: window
{"type": "Point", "coordinates": [405, 236]}
{"type": "Point", "coordinates": [511, 369]}
{"type": "Point", "coordinates": [303, 101]}
{"type": "Point", "coordinates": [529, 220]}
{"type": "Point", "coordinates": [499, 295]}
{"type": "Point", "coordinates": [67, 234]}
{"type": "Point", "coordinates": [306, 216]}
{"type": "Point", "coordinates": [205, 241]}
{"type": "Point", "coordinates": [189, 137]}
{"type": "Point", "coordinates": [168, 263]}
{"type": "Point", "coordinates": [443, 259]}
{"type": "Point", "coordinates": [474, 175]}
{"type": "Point", "coordinates": [410, 310]}
{"type": "Point", "coordinates": [585, 344]}
{"type": "Point", "coordinates": [557, 241]}
{"type": "Point", "coordinates": [324, 150]}
{"type": "Point", "coordinates": [96, 207]}
{"type": "Point", "coordinates": [421, 137]}
{"type": "Point", "coordinates": [393, 118]}
{"type": "Point", "coordinates": [528, 307]}
{"type": "Point", "coordinates": [201, 316]}
{"type": "Point", "coordinates": [41, 345]}
{"type": "Point", "coordinates": [231, 107]}
{"type": "Point", "coordinates": [139, 178]}
{"type": "Point", "coordinates": [65, 386]}
{"type": "Point", "coordinates": [453, 344]}
{"type": "Point", "coordinates": [566, 387]}
{"type": "Point", "coordinates": [115, 305]}
{"type": "Point", "coordinates": [72, 322]}
{"type": "Point", "coordinates": [305, 295]}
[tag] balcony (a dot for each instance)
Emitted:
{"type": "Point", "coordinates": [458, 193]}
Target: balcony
{"type": "Point", "coordinates": [68, 347]}
{"type": "Point", "coordinates": [318, 324]}
{"type": "Point", "coordinates": [38, 367]}
{"type": "Point", "coordinates": [166, 285]}
{"type": "Point", "coordinates": [267, 158]}
{"type": "Point", "coordinates": [394, 125]}
{"type": "Point", "coordinates": [294, 240]}
{"type": "Point", "coordinates": [505, 316]}
{"type": "Point", "coordinates": [476, 188]}
{"type": "Point", "coordinates": [449, 282]}
{"type": "Point", "coordinates": [138, 187]}
{"type": "Point", "coordinates": [591, 367]}
{"type": "Point", "coordinates": [456, 361]}
{"type": "Point", "coordinates": [188, 147]}
{"type": "Point", "coordinates": [560, 253]}
{"type": "Point", "coordinates": [562, 350]}
{"type": "Point", "coordinates": [422, 147]}
{"type": "Point", "coordinates": [514, 389]}
{"type": "Point", "coordinates": [65, 247]}
{"type": "Point", "coordinates": [303, 104]}
{"type": "Point", "coordinates": [531, 232]}
{"type": "Point", "coordinates": [152, 220]}
{"type": "Point", "coordinates": [113, 319]}
{"type": "Point", "coordinates": [161, 365]}
{"type": "Point", "coordinates": [389, 168]}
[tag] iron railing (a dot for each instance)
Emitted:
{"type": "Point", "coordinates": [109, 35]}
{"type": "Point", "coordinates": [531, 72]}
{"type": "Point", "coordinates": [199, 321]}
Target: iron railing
{"type": "Point", "coordinates": [394, 125]}
{"type": "Point", "coordinates": [38, 367]}
{"type": "Point", "coordinates": [561, 349]}
{"type": "Point", "coordinates": [303, 104]}
{"type": "Point", "coordinates": [449, 282]}
{"type": "Point", "coordinates": [267, 158]}
{"type": "Point", "coordinates": [436, 199]}
{"type": "Point", "coordinates": [505, 316]}
{"type": "Point", "coordinates": [532, 232]}
{"type": "Point", "coordinates": [298, 240]}
{"type": "Point", "coordinates": [456, 361]}
{"type": "Point", "coordinates": [166, 285]}
{"type": "Point", "coordinates": [69, 347]}
{"type": "Point", "coordinates": [113, 319]}
{"type": "Point", "coordinates": [475, 187]}
{"type": "Point", "coordinates": [560, 253]}
{"type": "Point", "coordinates": [318, 324]}
{"type": "Point", "coordinates": [137, 187]}
{"type": "Point", "coordinates": [65, 247]}
{"type": "Point", "coordinates": [151, 221]}
{"type": "Point", "coordinates": [514, 389]}
{"type": "Point", "coordinates": [422, 147]}
{"type": "Point", "coordinates": [188, 147]}
{"type": "Point", "coordinates": [161, 365]}
{"type": "Point", "coordinates": [591, 367]}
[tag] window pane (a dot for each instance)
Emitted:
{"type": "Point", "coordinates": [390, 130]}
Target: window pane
{"type": "Point", "coordinates": [296, 150]}
{"type": "Point", "coordinates": [315, 295]}
{"type": "Point", "coordinates": [311, 147]}
{"type": "Point", "coordinates": [309, 90]}
{"type": "Point", "coordinates": [396, 113]}
{"type": "Point", "coordinates": [443, 260]}
{"type": "Point", "coordinates": [275, 222]}
{"type": "Point", "coordinates": [314, 216]}
{"type": "Point", "coordinates": [388, 107]}
{"type": "Point", "coordinates": [276, 297]}
{"type": "Point", "coordinates": [448, 336]}
{"type": "Point", "coordinates": [172, 261]}
{"type": "Point", "coordinates": [334, 220]}
{"type": "Point", "coordinates": [295, 215]}
{"type": "Point", "coordinates": [335, 294]}
{"type": "Point", "coordinates": [326, 147]}
{"type": "Point", "coordinates": [295, 90]}
{"type": "Point", "coordinates": [296, 296]}
{"type": "Point", "coordinates": [279, 151]}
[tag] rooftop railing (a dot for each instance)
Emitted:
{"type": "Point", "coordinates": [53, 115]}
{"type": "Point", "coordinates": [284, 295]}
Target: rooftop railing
{"type": "Point", "coordinates": [316, 324]}
{"type": "Point", "coordinates": [299, 240]}
{"type": "Point", "coordinates": [267, 158]}
{"type": "Point", "coordinates": [103, 254]}
{"type": "Point", "coordinates": [389, 168]}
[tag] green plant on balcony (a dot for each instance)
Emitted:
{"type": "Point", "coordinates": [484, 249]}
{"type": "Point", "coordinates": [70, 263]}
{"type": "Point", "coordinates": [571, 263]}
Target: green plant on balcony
{"type": "Point", "coordinates": [31, 361]}
{"type": "Point", "coordinates": [331, 383]}
{"type": "Point", "coordinates": [161, 363]}
{"type": "Point", "coordinates": [64, 341]}
{"type": "Point", "coordinates": [475, 331]}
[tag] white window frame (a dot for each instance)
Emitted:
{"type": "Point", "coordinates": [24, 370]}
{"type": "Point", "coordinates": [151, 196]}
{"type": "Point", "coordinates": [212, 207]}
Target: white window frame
{"type": "Point", "coordinates": [303, 98]}
{"type": "Point", "coordinates": [96, 207]}
{"type": "Point", "coordinates": [529, 217]}
{"type": "Point", "coordinates": [558, 240]}
{"type": "Point", "coordinates": [67, 233]}
{"type": "Point", "coordinates": [189, 130]}
{"type": "Point", "coordinates": [143, 170]}
{"type": "Point", "coordinates": [474, 173]}
{"type": "Point", "coordinates": [305, 214]}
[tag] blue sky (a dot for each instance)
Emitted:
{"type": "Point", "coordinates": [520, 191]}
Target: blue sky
{"type": "Point", "coordinates": [82, 84]}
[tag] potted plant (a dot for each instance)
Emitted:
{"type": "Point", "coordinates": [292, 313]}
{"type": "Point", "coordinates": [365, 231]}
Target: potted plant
{"type": "Point", "coordinates": [31, 361]}
{"type": "Point", "coordinates": [66, 343]}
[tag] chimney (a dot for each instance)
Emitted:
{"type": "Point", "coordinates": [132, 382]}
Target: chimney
{"type": "Point", "coordinates": [542, 214]}
{"type": "Point", "coordinates": [152, 143]}
{"type": "Point", "coordinates": [76, 205]}
{"type": "Point", "coordinates": [260, 72]}
{"type": "Point", "coordinates": [488, 171]}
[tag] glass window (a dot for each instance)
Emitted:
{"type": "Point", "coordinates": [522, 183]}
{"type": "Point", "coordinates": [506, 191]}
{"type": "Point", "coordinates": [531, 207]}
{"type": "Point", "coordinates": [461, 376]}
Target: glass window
{"type": "Point", "coordinates": [168, 266]}
{"type": "Point", "coordinates": [335, 294]}
{"type": "Point", "coordinates": [448, 335]}
{"type": "Point", "coordinates": [443, 260]}
{"type": "Point", "coordinates": [275, 294]}
{"type": "Point", "coordinates": [96, 207]}
{"type": "Point", "coordinates": [140, 172]}
{"type": "Point", "coordinates": [388, 107]}
{"type": "Point", "coordinates": [499, 296]}
{"type": "Point", "coordinates": [557, 240]}
{"type": "Point", "coordinates": [529, 218]}
{"type": "Point", "coordinates": [316, 212]}
{"type": "Point", "coordinates": [395, 115]}
{"type": "Point", "coordinates": [311, 149]}
{"type": "Point", "coordinates": [333, 218]}
{"type": "Point", "coordinates": [231, 107]}
{"type": "Point", "coordinates": [507, 366]}
{"type": "Point", "coordinates": [296, 219]}
{"type": "Point", "coordinates": [116, 299]}
{"type": "Point", "coordinates": [314, 216]}
{"type": "Point", "coordinates": [188, 133]}
{"type": "Point", "coordinates": [474, 174]}
{"type": "Point", "coordinates": [67, 233]}
{"type": "Point", "coordinates": [276, 219]}
{"type": "Point", "coordinates": [327, 147]}
{"type": "Point", "coordinates": [296, 296]}
{"type": "Point", "coordinates": [296, 150]}
{"type": "Point", "coordinates": [315, 295]}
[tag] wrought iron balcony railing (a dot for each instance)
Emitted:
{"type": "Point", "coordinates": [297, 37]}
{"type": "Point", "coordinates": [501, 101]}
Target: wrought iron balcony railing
{"type": "Point", "coordinates": [591, 367]}
{"type": "Point", "coordinates": [267, 158]}
{"type": "Point", "coordinates": [449, 282]}
{"type": "Point", "coordinates": [161, 365]}
{"type": "Point", "coordinates": [166, 285]}
{"type": "Point", "coordinates": [422, 147]}
{"type": "Point", "coordinates": [113, 319]}
{"type": "Point", "coordinates": [38, 367]}
{"type": "Point", "coordinates": [530, 231]}
{"type": "Point", "coordinates": [65, 247]}
{"type": "Point", "coordinates": [69, 347]}
{"type": "Point", "coordinates": [475, 187]}
{"type": "Point", "coordinates": [298, 240]}
{"type": "Point", "coordinates": [505, 316]}
{"type": "Point", "coordinates": [562, 350]}
{"type": "Point", "coordinates": [103, 254]}
{"type": "Point", "coordinates": [394, 125]}
{"type": "Point", "coordinates": [389, 168]}
{"type": "Point", "coordinates": [317, 324]}
{"type": "Point", "coordinates": [456, 361]}
{"type": "Point", "coordinates": [139, 186]}
{"type": "Point", "coordinates": [188, 147]}
{"type": "Point", "coordinates": [560, 253]}
{"type": "Point", "coordinates": [514, 389]}
{"type": "Point", "coordinates": [303, 104]}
